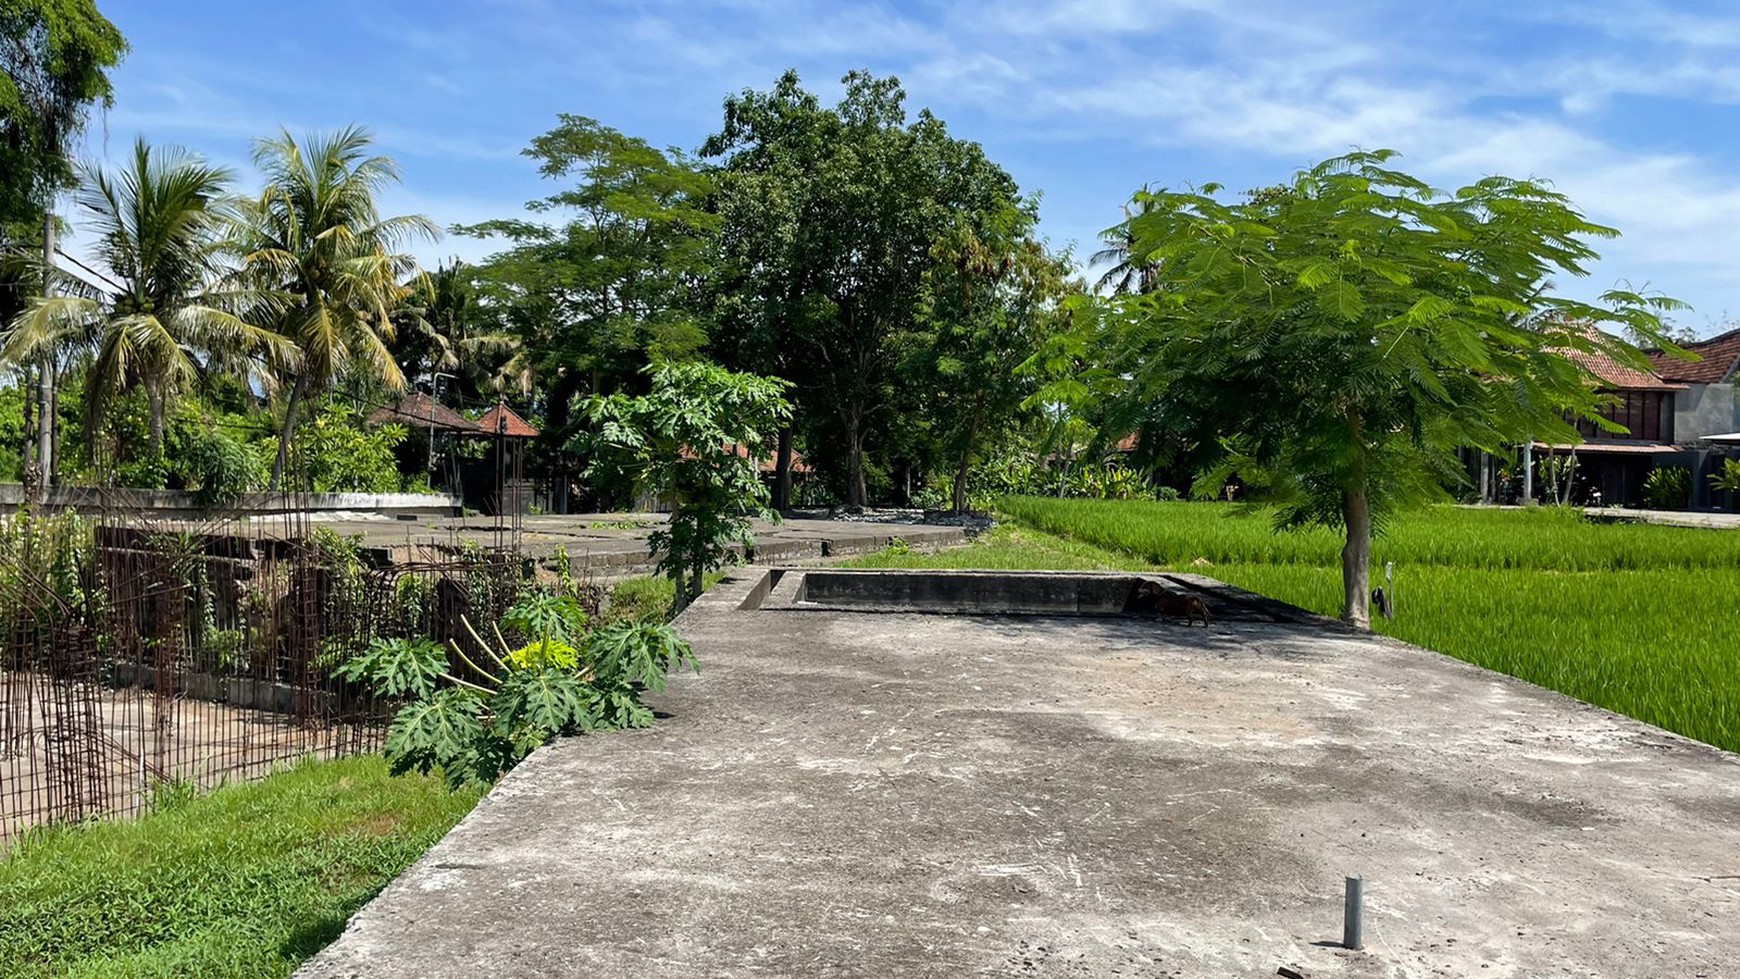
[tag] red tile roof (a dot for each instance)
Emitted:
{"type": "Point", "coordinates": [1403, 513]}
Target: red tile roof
{"type": "Point", "coordinates": [502, 420]}
{"type": "Point", "coordinates": [1721, 356]}
{"type": "Point", "coordinates": [418, 410]}
{"type": "Point", "coordinates": [767, 464]}
{"type": "Point", "coordinates": [770, 463]}
{"type": "Point", "coordinates": [1616, 376]}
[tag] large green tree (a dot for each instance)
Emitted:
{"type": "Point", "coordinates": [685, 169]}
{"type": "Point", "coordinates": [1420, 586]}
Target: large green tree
{"type": "Point", "coordinates": [601, 279]}
{"type": "Point", "coordinates": [55, 57]}
{"type": "Point", "coordinates": [157, 227]}
{"type": "Point", "coordinates": [316, 237]}
{"type": "Point", "coordinates": [1337, 339]}
{"type": "Point", "coordinates": [830, 221]}
{"type": "Point", "coordinates": [992, 298]}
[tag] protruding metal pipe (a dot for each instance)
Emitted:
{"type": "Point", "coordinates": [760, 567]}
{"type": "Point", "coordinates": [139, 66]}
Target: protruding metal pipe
{"type": "Point", "coordinates": [1352, 913]}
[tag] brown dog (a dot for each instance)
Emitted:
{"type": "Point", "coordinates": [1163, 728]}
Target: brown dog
{"type": "Point", "coordinates": [1186, 607]}
{"type": "Point", "coordinates": [1153, 598]}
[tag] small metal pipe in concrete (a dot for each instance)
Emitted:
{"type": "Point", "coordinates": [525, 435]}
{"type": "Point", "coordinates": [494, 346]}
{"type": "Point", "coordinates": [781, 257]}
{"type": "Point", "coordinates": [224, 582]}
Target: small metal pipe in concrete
{"type": "Point", "coordinates": [1353, 910]}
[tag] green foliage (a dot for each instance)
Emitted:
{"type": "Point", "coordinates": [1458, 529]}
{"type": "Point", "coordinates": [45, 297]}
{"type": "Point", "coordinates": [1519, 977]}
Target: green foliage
{"type": "Point", "coordinates": [563, 682]}
{"type": "Point", "coordinates": [992, 298]}
{"type": "Point", "coordinates": [692, 441]}
{"type": "Point", "coordinates": [444, 732]}
{"type": "Point", "coordinates": [340, 455]}
{"type": "Point", "coordinates": [316, 241]}
{"type": "Point", "coordinates": [55, 65]}
{"type": "Point", "coordinates": [243, 883]}
{"type": "Point", "coordinates": [541, 653]}
{"type": "Point", "coordinates": [1552, 539]}
{"type": "Point", "coordinates": [215, 465]}
{"type": "Point", "coordinates": [1728, 480]}
{"type": "Point", "coordinates": [158, 224]}
{"type": "Point", "coordinates": [397, 668]}
{"type": "Point", "coordinates": [553, 623]}
{"type": "Point", "coordinates": [11, 434]}
{"type": "Point", "coordinates": [1334, 341]}
{"type": "Point", "coordinates": [543, 616]}
{"type": "Point", "coordinates": [43, 563]}
{"type": "Point", "coordinates": [596, 300]}
{"type": "Point", "coordinates": [833, 220]}
{"type": "Point", "coordinates": [1668, 488]}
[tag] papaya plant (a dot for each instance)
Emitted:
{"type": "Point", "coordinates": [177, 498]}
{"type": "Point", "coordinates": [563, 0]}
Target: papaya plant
{"type": "Point", "coordinates": [562, 681]}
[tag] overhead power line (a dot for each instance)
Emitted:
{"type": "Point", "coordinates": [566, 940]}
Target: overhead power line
{"type": "Point", "coordinates": [90, 271]}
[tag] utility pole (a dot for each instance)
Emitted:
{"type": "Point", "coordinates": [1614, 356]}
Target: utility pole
{"type": "Point", "coordinates": [45, 392]}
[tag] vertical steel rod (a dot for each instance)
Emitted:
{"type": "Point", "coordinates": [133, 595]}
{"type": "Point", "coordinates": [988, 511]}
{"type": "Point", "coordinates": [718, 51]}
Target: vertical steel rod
{"type": "Point", "coordinates": [1352, 912]}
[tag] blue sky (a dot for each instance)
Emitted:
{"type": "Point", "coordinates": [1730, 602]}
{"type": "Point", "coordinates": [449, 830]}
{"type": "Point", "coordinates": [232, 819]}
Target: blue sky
{"type": "Point", "coordinates": [1630, 106]}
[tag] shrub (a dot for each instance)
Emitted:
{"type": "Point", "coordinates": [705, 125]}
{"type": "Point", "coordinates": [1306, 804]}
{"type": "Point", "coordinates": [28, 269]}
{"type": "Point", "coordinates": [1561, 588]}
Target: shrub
{"type": "Point", "coordinates": [216, 466]}
{"type": "Point", "coordinates": [341, 456]}
{"type": "Point", "coordinates": [1668, 488]}
{"type": "Point", "coordinates": [1728, 480]}
{"type": "Point", "coordinates": [563, 681]}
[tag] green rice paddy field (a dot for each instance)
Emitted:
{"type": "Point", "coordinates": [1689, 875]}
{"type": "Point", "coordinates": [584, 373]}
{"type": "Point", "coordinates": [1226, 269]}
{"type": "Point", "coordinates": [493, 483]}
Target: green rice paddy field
{"type": "Point", "coordinates": [1638, 619]}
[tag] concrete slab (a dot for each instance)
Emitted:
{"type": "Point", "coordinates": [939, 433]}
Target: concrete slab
{"type": "Point", "coordinates": [604, 545]}
{"type": "Point", "coordinates": [852, 794]}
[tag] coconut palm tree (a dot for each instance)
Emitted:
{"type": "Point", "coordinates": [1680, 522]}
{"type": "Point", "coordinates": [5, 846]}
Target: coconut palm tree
{"type": "Point", "coordinates": [1127, 273]}
{"type": "Point", "coordinates": [316, 234]}
{"type": "Point", "coordinates": [157, 229]}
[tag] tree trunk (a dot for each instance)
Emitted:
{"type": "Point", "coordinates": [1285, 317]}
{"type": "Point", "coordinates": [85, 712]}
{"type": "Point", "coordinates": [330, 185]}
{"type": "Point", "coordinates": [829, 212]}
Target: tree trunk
{"type": "Point", "coordinates": [782, 472]}
{"type": "Point", "coordinates": [155, 397]}
{"type": "Point", "coordinates": [45, 411]}
{"type": "Point", "coordinates": [856, 491]}
{"type": "Point", "coordinates": [1356, 559]}
{"type": "Point", "coordinates": [29, 403]}
{"type": "Point", "coordinates": [966, 464]}
{"type": "Point", "coordinates": [45, 421]}
{"type": "Point", "coordinates": [287, 433]}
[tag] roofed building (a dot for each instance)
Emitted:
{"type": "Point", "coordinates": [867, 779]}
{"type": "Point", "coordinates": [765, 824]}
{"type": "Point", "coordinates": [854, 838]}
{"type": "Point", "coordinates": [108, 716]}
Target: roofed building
{"type": "Point", "coordinates": [1615, 464]}
{"type": "Point", "coordinates": [1707, 409]}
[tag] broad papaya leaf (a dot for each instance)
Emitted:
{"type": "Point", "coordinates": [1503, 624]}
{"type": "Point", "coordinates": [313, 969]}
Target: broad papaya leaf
{"type": "Point", "coordinates": [397, 668]}
{"type": "Point", "coordinates": [639, 652]}
{"type": "Point", "coordinates": [442, 732]}
{"type": "Point", "coordinates": [549, 701]}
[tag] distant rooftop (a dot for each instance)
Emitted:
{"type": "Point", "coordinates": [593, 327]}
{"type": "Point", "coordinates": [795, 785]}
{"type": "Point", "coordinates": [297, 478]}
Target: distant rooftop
{"type": "Point", "coordinates": [1721, 356]}
{"type": "Point", "coordinates": [418, 410]}
{"type": "Point", "coordinates": [502, 420]}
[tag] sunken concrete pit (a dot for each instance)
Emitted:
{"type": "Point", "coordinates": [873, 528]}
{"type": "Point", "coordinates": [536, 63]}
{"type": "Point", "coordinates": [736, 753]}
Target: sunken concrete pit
{"type": "Point", "coordinates": [857, 785]}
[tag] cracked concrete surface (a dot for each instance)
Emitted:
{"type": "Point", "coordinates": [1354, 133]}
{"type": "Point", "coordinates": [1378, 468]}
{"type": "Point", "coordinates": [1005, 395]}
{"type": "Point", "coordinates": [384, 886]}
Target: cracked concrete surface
{"type": "Point", "coordinates": [876, 795]}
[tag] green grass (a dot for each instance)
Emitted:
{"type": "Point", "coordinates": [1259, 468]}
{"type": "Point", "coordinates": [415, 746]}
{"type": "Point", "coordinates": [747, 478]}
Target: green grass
{"type": "Point", "coordinates": [632, 599]}
{"type": "Point", "coordinates": [245, 882]}
{"type": "Point", "coordinates": [1635, 618]}
{"type": "Point", "coordinates": [1008, 548]}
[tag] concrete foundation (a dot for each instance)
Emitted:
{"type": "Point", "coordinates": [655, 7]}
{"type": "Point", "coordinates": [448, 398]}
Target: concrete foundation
{"type": "Point", "coordinates": [844, 793]}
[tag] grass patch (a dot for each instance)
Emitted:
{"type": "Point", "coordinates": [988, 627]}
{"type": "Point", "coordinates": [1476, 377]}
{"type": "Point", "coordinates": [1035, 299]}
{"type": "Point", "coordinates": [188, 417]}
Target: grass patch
{"type": "Point", "coordinates": [245, 882]}
{"type": "Point", "coordinates": [1007, 547]}
{"type": "Point", "coordinates": [633, 599]}
{"type": "Point", "coordinates": [1635, 618]}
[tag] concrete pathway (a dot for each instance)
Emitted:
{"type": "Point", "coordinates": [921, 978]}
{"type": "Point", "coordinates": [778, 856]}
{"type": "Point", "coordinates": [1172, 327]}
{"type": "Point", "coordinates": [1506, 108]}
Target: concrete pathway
{"type": "Point", "coordinates": [1668, 518]}
{"type": "Point", "coordinates": [891, 795]}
